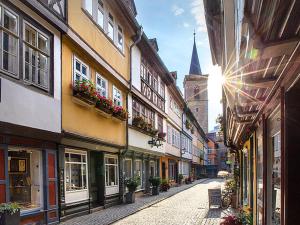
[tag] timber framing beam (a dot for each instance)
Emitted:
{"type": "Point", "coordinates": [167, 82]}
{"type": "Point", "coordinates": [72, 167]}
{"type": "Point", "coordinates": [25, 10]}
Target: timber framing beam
{"type": "Point", "coordinates": [247, 113]}
{"type": "Point", "coordinates": [260, 83]}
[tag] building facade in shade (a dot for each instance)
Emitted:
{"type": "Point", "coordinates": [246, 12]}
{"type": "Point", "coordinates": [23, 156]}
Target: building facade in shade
{"type": "Point", "coordinates": [261, 117]}
{"type": "Point", "coordinates": [195, 90]}
{"type": "Point", "coordinates": [174, 109]}
{"type": "Point", "coordinates": [30, 107]}
{"type": "Point", "coordinates": [146, 104]}
{"type": "Point", "coordinates": [94, 136]}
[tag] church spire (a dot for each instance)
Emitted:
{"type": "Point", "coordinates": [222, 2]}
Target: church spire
{"type": "Point", "coordinates": [195, 65]}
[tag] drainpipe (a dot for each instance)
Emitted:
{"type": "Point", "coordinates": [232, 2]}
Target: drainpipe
{"type": "Point", "coordinates": [138, 38]}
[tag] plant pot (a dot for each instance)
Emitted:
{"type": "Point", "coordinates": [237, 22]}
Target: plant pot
{"type": "Point", "coordinates": [7, 219]}
{"type": "Point", "coordinates": [118, 118]}
{"type": "Point", "coordinates": [103, 112]}
{"type": "Point", "coordinates": [82, 99]}
{"type": "Point", "coordinates": [130, 197]}
{"type": "Point", "coordinates": [155, 190]}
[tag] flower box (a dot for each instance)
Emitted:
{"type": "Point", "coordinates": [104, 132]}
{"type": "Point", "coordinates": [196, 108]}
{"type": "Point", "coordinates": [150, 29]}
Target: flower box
{"type": "Point", "coordinates": [118, 118]}
{"type": "Point", "coordinates": [82, 100]}
{"type": "Point", "coordinates": [119, 113]}
{"type": "Point", "coordinates": [103, 113]}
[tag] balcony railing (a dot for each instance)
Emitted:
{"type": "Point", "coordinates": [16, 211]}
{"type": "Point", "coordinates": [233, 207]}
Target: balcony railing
{"type": "Point", "coordinates": [58, 7]}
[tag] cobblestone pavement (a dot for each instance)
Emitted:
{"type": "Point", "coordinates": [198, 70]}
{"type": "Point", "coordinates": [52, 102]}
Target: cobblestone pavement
{"type": "Point", "coordinates": [189, 207]}
{"type": "Point", "coordinates": [115, 213]}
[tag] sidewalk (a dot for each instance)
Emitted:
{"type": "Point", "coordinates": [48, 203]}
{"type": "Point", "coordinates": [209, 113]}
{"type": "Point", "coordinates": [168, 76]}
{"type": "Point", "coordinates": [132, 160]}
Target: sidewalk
{"type": "Point", "coordinates": [115, 213]}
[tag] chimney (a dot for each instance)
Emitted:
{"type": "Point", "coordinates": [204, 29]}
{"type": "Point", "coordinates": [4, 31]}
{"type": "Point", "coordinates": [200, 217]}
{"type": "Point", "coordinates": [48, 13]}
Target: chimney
{"type": "Point", "coordinates": [153, 43]}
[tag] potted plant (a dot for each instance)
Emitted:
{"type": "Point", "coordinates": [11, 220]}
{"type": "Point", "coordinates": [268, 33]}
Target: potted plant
{"type": "Point", "coordinates": [188, 125]}
{"type": "Point", "coordinates": [131, 184]}
{"type": "Point", "coordinates": [154, 132]}
{"type": "Point", "coordinates": [120, 113]}
{"type": "Point", "coordinates": [161, 136]}
{"type": "Point", "coordinates": [180, 178]}
{"type": "Point", "coordinates": [85, 91]}
{"type": "Point", "coordinates": [188, 180]}
{"type": "Point", "coordinates": [230, 220]}
{"type": "Point", "coordinates": [155, 182]}
{"type": "Point", "coordinates": [9, 214]}
{"type": "Point", "coordinates": [104, 104]}
{"type": "Point", "coordinates": [164, 186]}
{"type": "Point", "coordinates": [231, 187]}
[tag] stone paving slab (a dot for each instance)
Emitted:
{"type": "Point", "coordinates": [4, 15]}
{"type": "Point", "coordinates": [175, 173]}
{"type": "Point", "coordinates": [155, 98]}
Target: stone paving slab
{"type": "Point", "coordinates": [115, 213]}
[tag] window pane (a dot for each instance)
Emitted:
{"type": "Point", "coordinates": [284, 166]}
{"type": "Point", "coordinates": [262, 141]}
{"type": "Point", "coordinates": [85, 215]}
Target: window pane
{"type": "Point", "coordinates": [42, 70]}
{"type": "Point", "coordinates": [75, 158]}
{"type": "Point", "coordinates": [111, 30]}
{"type": "Point", "coordinates": [83, 70]}
{"type": "Point", "coordinates": [68, 177]}
{"type": "Point", "coordinates": [100, 18]}
{"type": "Point", "coordinates": [76, 177]}
{"type": "Point", "coordinates": [10, 45]}
{"type": "Point", "coordinates": [30, 35]}
{"type": "Point", "coordinates": [89, 6]}
{"type": "Point", "coordinates": [43, 43]}
{"type": "Point", "coordinates": [128, 169]}
{"type": "Point", "coordinates": [112, 175]}
{"type": "Point", "coordinates": [84, 175]}
{"type": "Point", "coordinates": [25, 177]}
{"type": "Point", "coordinates": [10, 21]}
{"type": "Point", "coordinates": [78, 64]}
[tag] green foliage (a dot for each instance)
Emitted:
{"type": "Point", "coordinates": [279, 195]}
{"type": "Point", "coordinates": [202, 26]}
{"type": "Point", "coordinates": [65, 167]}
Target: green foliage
{"type": "Point", "coordinates": [9, 208]}
{"type": "Point", "coordinates": [245, 218]}
{"type": "Point", "coordinates": [132, 183]}
{"type": "Point", "coordinates": [180, 176]}
{"type": "Point", "coordinates": [230, 185]}
{"type": "Point", "coordinates": [164, 186]}
{"type": "Point", "coordinates": [155, 181]}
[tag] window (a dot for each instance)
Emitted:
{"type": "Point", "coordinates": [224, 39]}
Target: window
{"type": "Point", "coordinates": [160, 124]}
{"type": "Point", "coordinates": [25, 178]}
{"type": "Point", "coordinates": [120, 38]}
{"type": "Point", "coordinates": [138, 172]}
{"type": "Point", "coordinates": [88, 5]}
{"type": "Point", "coordinates": [152, 169]}
{"type": "Point", "coordinates": [110, 27]}
{"type": "Point", "coordinates": [81, 70]}
{"type": "Point", "coordinates": [100, 14]}
{"type": "Point", "coordinates": [197, 93]}
{"type": "Point", "coordinates": [10, 40]}
{"type": "Point", "coordinates": [111, 171]}
{"type": "Point", "coordinates": [169, 130]}
{"type": "Point", "coordinates": [101, 85]}
{"type": "Point", "coordinates": [135, 108]}
{"type": "Point", "coordinates": [75, 171]}
{"type": "Point", "coordinates": [172, 170]}
{"type": "Point", "coordinates": [36, 61]}
{"type": "Point", "coordinates": [117, 96]}
{"type": "Point", "coordinates": [128, 168]}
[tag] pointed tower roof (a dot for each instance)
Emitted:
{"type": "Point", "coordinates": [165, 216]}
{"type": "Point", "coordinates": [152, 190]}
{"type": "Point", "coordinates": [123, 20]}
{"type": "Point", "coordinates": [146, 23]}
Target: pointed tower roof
{"type": "Point", "coordinates": [195, 65]}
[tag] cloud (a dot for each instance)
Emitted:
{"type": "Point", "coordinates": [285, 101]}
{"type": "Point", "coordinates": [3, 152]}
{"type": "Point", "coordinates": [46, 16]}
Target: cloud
{"type": "Point", "coordinates": [177, 10]}
{"type": "Point", "coordinates": [197, 10]}
{"type": "Point", "coordinates": [200, 43]}
{"type": "Point", "coordinates": [185, 24]}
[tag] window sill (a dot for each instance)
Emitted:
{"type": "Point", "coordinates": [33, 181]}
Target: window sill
{"type": "Point", "coordinates": [102, 31]}
{"type": "Point", "coordinates": [82, 190]}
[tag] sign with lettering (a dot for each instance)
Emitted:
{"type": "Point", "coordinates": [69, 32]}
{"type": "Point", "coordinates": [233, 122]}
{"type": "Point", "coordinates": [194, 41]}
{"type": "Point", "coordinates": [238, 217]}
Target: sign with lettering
{"type": "Point", "coordinates": [214, 197]}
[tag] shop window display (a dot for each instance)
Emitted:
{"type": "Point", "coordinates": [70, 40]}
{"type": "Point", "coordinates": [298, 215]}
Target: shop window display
{"type": "Point", "coordinates": [25, 178]}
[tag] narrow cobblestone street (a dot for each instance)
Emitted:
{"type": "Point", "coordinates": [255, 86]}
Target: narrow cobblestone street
{"type": "Point", "coordinates": [187, 204]}
{"type": "Point", "coordinates": [187, 207]}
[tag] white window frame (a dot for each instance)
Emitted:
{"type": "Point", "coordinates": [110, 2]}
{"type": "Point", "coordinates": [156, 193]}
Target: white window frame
{"type": "Point", "coordinates": [111, 21]}
{"type": "Point", "coordinates": [47, 54]}
{"type": "Point", "coordinates": [116, 165]}
{"type": "Point", "coordinates": [121, 33]}
{"type": "Point", "coordinates": [115, 91]}
{"type": "Point", "coordinates": [77, 152]}
{"type": "Point", "coordinates": [87, 76]}
{"type": "Point", "coordinates": [16, 35]}
{"type": "Point", "coordinates": [131, 174]}
{"type": "Point", "coordinates": [101, 9]}
{"type": "Point", "coordinates": [85, 6]}
{"type": "Point", "coordinates": [99, 88]}
{"type": "Point", "coordinates": [141, 177]}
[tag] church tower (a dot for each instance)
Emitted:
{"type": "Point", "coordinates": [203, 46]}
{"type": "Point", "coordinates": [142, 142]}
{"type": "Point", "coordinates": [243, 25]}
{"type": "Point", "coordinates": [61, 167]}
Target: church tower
{"type": "Point", "coordinates": [195, 90]}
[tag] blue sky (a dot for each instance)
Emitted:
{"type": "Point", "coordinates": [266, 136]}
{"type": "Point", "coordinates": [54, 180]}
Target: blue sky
{"type": "Point", "coordinates": [173, 22]}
